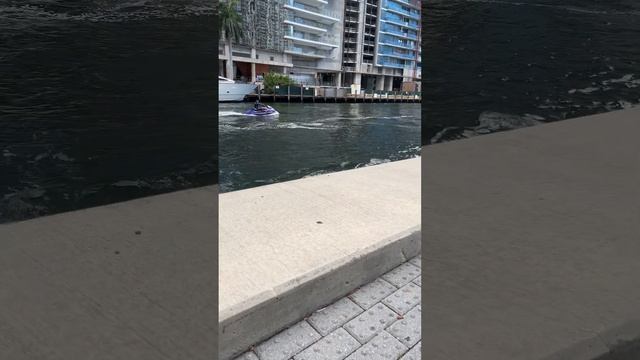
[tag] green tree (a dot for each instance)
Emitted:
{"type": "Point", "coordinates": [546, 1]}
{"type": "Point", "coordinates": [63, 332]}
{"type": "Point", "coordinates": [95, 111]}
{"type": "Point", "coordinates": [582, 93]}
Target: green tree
{"type": "Point", "coordinates": [230, 30]}
{"type": "Point", "coordinates": [271, 80]}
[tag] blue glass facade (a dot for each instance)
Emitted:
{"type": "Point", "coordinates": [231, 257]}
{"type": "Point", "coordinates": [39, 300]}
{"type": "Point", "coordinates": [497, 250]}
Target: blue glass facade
{"type": "Point", "coordinates": [398, 34]}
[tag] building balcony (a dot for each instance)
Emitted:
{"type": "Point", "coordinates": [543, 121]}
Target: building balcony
{"type": "Point", "coordinates": [401, 34]}
{"type": "Point", "coordinates": [305, 24]}
{"type": "Point", "coordinates": [309, 40]}
{"type": "Point", "coordinates": [399, 20]}
{"type": "Point", "coordinates": [406, 25]}
{"type": "Point", "coordinates": [390, 63]}
{"type": "Point", "coordinates": [351, 19]}
{"type": "Point", "coordinates": [413, 3]}
{"type": "Point", "coordinates": [396, 54]}
{"type": "Point", "coordinates": [302, 52]}
{"type": "Point", "coordinates": [312, 13]}
{"type": "Point", "coordinates": [389, 5]}
{"type": "Point", "coordinates": [352, 9]}
{"type": "Point", "coordinates": [395, 42]}
{"type": "Point", "coordinates": [316, 3]}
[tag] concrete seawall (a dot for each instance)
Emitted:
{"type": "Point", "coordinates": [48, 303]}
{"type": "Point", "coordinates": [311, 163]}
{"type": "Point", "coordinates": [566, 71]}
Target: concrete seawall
{"type": "Point", "coordinates": [288, 249]}
{"type": "Point", "coordinates": [136, 280]}
{"type": "Point", "coordinates": [532, 240]}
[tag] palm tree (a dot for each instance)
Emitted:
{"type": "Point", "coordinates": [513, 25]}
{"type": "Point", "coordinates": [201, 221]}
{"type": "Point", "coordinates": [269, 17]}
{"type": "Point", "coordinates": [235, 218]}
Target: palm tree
{"type": "Point", "coordinates": [230, 29]}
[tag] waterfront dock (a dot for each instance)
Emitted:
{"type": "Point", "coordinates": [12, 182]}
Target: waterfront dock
{"type": "Point", "coordinates": [334, 95]}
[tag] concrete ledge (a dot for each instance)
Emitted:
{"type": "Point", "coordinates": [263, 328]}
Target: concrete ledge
{"type": "Point", "coordinates": [601, 345]}
{"type": "Point", "coordinates": [531, 239]}
{"type": "Point", "coordinates": [125, 281]}
{"type": "Point", "coordinates": [288, 249]}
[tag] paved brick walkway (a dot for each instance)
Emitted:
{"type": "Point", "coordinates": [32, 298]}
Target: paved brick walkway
{"type": "Point", "coordinates": [379, 321]}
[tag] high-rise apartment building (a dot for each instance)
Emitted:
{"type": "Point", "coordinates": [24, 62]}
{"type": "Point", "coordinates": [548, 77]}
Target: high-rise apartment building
{"type": "Point", "coordinates": [314, 39]}
{"type": "Point", "coordinates": [382, 44]}
{"type": "Point", "coordinates": [300, 38]}
{"type": "Point", "coordinates": [372, 43]}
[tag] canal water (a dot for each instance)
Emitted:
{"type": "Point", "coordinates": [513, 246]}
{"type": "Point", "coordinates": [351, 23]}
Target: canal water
{"type": "Point", "coordinates": [103, 101]}
{"type": "Point", "coordinates": [496, 65]}
{"type": "Point", "coordinates": [312, 139]}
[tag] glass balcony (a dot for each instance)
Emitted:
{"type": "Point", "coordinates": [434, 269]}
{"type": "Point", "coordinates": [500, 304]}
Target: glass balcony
{"type": "Point", "coordinates": [414, 3]}
{"type": "Point", "coordinates": [388, 62]}
{"type": "Point", "coordinates": [403, 10]}
{"type": "Point", "coordinates": [305, 52]}
{"type": "Point", "coordinates": [314, 2]}
{"type": "Point", "coordinates": [397, 42]}
{"type": "Point", "coordinates": [383, 50]}
{"type": "Point", "coordinates": [300, 20]}
{"type": "Point", "coordinates": [400, 20]}
{"type": "Point", "coordinates": [396, 30]}
{"type": "Point", "coordinates": [312, 12]}
{"type": "Point", "coordinates": [312, 40]}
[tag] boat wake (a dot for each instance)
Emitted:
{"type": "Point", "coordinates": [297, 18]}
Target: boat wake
{"type": "Point", "coordinates": [230, 113]}
{"type": "Point", "coordinates": [488, 122]}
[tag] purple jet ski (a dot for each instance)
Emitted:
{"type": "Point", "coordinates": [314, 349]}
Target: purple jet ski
{"type": "Point", "coordinates": [261, 110]}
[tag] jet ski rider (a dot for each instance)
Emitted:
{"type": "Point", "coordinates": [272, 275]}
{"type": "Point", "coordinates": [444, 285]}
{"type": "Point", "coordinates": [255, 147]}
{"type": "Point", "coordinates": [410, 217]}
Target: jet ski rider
{"type": "Point", "coordinates": [259, 106]}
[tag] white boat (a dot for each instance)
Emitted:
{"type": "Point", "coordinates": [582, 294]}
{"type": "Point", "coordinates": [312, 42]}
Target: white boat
{"type": "Point", "coordinates": [229, 90]}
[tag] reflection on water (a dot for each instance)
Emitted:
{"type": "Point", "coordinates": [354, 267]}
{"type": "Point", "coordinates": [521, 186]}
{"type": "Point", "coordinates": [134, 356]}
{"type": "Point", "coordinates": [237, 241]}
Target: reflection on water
{"type": "Point", "coordinates": [103, 101]}
{"type": "Point", "coordinates": [311, 139]}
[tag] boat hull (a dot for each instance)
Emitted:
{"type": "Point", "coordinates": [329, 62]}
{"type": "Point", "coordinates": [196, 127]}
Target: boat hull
{"type": "Point", "coordinates": [234, 92]}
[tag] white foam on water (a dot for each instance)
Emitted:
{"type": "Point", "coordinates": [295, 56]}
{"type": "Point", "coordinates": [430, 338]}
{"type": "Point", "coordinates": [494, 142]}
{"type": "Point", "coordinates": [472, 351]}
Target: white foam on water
{"type": "Point", "coordinates": [230, 113]}
{"type": "Point", "coordinates": [373, 161]}
{"type": "Point", "coordinates": [587, 90]}
{"type": "Point", "coordinates": [623, 79]}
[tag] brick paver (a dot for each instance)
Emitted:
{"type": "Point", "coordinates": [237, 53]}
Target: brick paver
{"type": "Point", "coordinates": [381, 320]}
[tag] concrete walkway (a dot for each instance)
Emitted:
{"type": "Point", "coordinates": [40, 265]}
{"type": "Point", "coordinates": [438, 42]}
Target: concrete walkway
{"type": "Point", "coordinates": [379, 321]}
{"type": "Point", "coordinates": [531, 239]}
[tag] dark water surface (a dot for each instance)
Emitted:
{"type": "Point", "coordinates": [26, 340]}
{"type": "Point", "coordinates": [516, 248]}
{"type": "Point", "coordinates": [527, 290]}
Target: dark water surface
{"type": "Point", "coordinates": [103, 101]}
{"type": "Point", "coordinates": [311, 139]}
{"type": "Point", "coordinates": [495, 65]}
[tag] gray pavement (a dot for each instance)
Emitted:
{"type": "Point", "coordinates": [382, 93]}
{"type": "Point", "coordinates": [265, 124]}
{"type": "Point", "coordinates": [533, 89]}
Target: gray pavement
{"type": "Point", "coordinates": [531, 238]}
{"type": "Point", "coordinates": [132, 280]}
{"type": "Point", "coordinates": [380, 320]}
